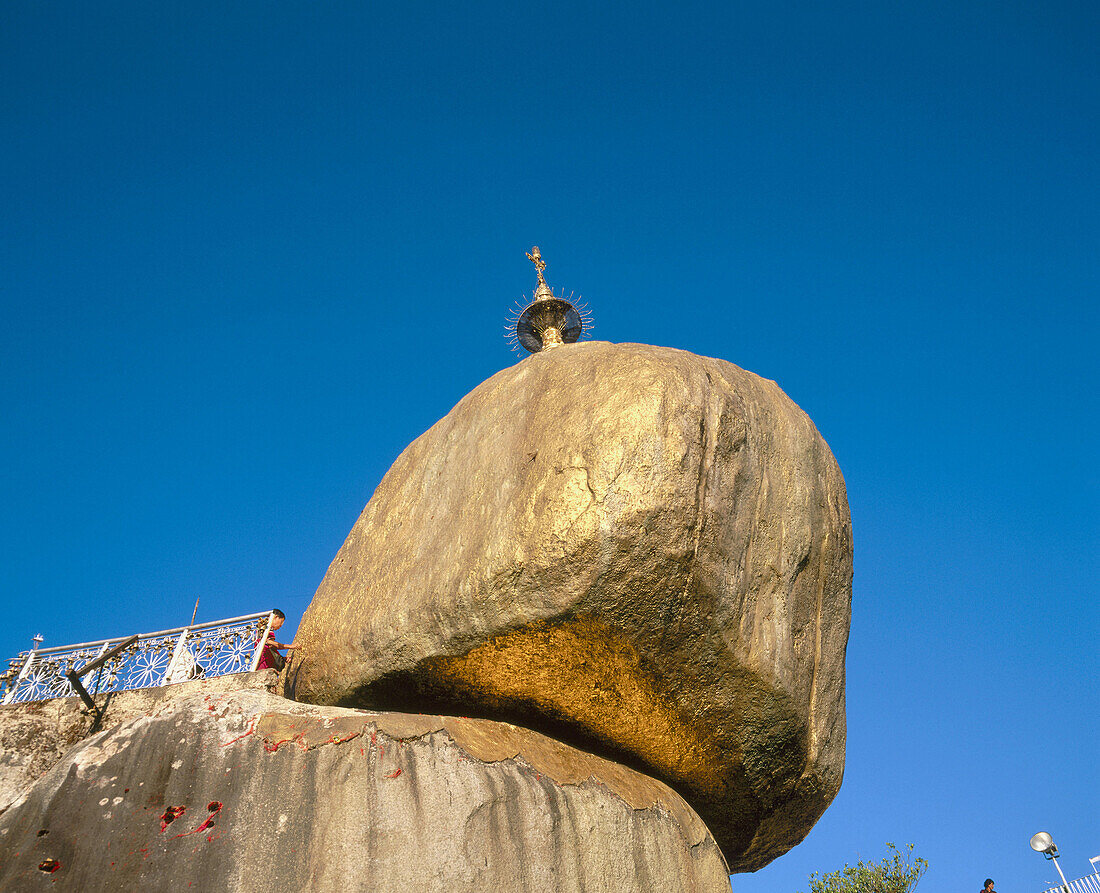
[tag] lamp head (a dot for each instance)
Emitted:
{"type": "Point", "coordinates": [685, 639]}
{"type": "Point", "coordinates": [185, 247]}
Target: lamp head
{"type": "Point", "coordinates": [1044, 843]}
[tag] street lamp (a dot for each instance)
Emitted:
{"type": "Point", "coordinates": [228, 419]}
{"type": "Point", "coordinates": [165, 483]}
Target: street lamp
{"type": "Point", "coordinates": [1044, 843]}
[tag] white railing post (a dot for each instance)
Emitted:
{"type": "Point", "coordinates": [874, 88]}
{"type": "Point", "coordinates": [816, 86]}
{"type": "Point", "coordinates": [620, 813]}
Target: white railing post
{"type": "Point", "coordinates": [23, 673]}
{"type": "Point", "coordinates": [175, 657]}
{"type": "Point", "coordinates": [262, 643]}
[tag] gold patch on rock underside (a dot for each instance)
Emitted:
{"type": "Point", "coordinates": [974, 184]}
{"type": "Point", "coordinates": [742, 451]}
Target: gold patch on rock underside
{"type": "Point", "coordinates": [581, 674]}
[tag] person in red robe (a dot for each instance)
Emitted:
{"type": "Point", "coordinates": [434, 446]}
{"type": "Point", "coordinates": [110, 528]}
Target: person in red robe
{"type": "Point", "coordinates": [271, 659]}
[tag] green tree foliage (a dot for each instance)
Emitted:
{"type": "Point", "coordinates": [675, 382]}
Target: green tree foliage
{"type": "Point", "coordinates": [897, 873]}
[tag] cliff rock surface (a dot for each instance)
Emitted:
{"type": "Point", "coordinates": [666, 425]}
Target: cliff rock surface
{"type": "Point", "coordinates": [634, 549]}
{"type": "Point", "coordinates": [247, 792]}
{"type": "Point", "coordinates": [35, 735]}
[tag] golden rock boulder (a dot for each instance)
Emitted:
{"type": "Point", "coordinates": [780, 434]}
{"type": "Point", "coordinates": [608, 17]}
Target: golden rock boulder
{"type": "Point", "coordinates": [636, 550]}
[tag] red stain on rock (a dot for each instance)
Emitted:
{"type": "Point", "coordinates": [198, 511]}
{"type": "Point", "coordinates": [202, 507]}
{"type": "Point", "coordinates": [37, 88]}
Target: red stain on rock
{"type": "Point", "coordinates": [296, 740]}
{"type": "Point", "coordinates": [249, 731]}
{"type": "Point", "coordinates": [49, 866]}
{"type": "Point", "coordinates": [394, 774]}
{"type": "Point", "coordinates": [215, 807]}
{"type": "Point", "coordinates": [170, 815]}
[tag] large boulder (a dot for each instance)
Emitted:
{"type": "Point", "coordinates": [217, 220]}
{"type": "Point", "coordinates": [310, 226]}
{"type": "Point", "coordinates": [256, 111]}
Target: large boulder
{"type": "Point", "coordinates": [247, 793]}
{"type": "Point", "coordinates": [641, 551]}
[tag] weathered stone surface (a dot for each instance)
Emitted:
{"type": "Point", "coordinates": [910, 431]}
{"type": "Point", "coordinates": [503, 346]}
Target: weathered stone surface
{"type": "Point", "coordinates": [250, 792]}
{"type": "Point", "coordinates": [635, 549]}
{"type": "Point", "coordinates": [36, 734]}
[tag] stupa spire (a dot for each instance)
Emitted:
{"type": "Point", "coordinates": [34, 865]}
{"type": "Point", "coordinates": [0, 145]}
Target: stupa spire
{"type": "Point", "coordinates": [535, 256]}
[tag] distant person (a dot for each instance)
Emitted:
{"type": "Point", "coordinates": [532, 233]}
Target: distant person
{"type": "Point", "coordinates": [988, 888]}
{"type": "Point", "coordinates": [271, 659]}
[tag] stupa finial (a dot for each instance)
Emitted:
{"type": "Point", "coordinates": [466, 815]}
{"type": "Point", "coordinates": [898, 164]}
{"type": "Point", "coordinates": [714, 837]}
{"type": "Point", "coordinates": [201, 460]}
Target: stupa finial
{"type": "Point", "coordinates": [544, 290]}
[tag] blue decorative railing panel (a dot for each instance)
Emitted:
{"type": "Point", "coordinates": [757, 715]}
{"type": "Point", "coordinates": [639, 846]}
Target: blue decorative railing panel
{"type": "Point", "coordinates": [161, 658]}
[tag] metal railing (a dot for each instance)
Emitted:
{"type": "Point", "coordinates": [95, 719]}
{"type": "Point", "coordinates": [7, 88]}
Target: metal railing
{"type": "Point", "coordinates": [1090, 883]}
{"type": "Point", "coordinates": [153, 659]}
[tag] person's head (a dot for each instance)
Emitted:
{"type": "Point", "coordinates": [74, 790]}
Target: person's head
{"type": "Point", "coordinates": [988, 884]}
{"type": "Point", "coordinates": [279, 618]}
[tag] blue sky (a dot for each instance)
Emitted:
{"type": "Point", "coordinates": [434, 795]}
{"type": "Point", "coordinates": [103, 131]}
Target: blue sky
{"type": "Point", "coordinates": [248, 253]}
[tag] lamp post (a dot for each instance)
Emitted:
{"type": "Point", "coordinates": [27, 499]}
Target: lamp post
{"type": "Point", "coordinates": [1044, 843]}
